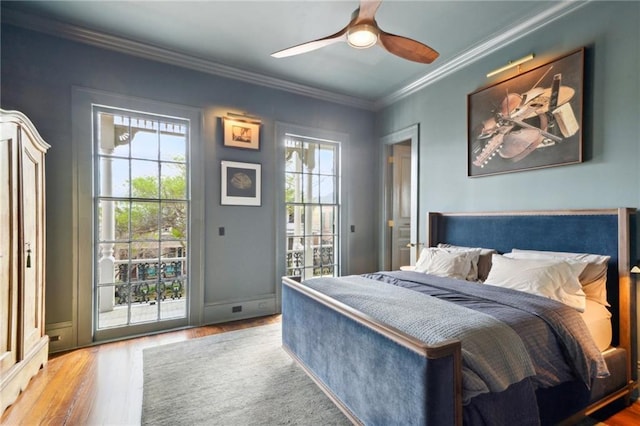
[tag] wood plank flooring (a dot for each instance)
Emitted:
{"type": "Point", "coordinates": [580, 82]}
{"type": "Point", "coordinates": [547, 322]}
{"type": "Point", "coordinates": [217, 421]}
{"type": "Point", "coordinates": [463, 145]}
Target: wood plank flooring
{"type": "Point", "coordinates": [99, 385]}
{"type": "Point", "coordinates": [102, 385]}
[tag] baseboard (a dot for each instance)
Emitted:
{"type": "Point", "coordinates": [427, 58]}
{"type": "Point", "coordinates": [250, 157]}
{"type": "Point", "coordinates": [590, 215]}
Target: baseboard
{"type": "Point", "coordinates": [60, 336]}
{"type": "Point", "coordinates": [239, 309]}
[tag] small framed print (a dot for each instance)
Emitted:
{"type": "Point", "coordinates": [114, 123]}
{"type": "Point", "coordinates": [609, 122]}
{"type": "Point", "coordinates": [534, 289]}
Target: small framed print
{"type": "Point", "coordinates": [241, 184]}
{"type": "Point", "coordinates": [241, 134]}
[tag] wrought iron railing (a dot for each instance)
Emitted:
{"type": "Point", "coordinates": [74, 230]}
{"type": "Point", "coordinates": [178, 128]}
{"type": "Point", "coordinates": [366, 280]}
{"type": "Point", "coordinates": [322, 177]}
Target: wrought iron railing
{"type": "Point", "coordinates": [144, 280]}
{"type": "Point", "coordinates": [323, 262]}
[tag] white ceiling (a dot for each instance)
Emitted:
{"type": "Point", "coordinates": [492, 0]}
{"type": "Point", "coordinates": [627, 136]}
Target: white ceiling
{"type": "Point", "coordinates": [237, 37]}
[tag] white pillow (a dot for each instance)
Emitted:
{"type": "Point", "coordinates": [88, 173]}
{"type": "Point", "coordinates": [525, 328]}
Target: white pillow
{"type": "Point", "coordinates": [552, 278]}
{"type": "Point", "coordinates": [593, 278]}
{"type": "Point", "coordinates": [444, 263]}
{"type": "Point", "coordinates": [576, 266]}
{"type": "Point", "coordinates": [476, 255]}
{"type": "Point", "coordinates": [484, 260]}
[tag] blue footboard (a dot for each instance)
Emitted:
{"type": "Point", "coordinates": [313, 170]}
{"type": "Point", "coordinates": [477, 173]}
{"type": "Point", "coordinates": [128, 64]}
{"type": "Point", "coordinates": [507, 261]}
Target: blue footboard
{"type": "Point", "coordinates": [376, 374]}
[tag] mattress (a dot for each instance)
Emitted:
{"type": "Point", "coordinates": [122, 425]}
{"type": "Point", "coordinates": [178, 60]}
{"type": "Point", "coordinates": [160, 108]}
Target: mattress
{"type": "Point", "coordinates": [598, 321]}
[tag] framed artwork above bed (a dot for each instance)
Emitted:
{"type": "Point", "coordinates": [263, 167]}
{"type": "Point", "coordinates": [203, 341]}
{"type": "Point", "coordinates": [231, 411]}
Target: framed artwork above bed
{"type": "Point", "coordinates": [529, 121]}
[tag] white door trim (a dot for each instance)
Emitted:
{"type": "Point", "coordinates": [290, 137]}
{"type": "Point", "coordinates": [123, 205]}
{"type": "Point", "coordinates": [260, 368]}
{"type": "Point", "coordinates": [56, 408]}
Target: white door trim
{"type": "Point", "coordinates": [411, 134]}
{"type": "Point", "coordinates": [82, 159]}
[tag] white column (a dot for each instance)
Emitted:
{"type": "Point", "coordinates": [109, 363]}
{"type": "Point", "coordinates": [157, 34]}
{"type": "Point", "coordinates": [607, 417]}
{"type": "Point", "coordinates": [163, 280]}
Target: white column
{"type": "Point", "coordinates": [309, 241]}
{"type": "Point", "coordinates": [297, 197]}
{"type": "Point", "coordinates": [106, 266]}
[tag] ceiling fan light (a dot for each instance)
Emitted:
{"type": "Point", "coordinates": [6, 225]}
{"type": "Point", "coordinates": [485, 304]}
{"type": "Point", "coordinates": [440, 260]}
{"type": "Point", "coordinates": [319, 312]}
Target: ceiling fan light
{"type": "Point", "coordinates": [362, 36]}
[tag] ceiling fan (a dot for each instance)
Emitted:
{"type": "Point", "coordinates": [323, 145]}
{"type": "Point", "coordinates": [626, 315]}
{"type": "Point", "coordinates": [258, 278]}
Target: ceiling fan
{"type": "Point", "coordinates": [363, 32]}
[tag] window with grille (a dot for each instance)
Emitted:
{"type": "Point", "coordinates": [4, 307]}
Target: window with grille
{"type": "Point", "coordinates": [142, 210]}
{"type": "Point", "coordinates": [312, 182]}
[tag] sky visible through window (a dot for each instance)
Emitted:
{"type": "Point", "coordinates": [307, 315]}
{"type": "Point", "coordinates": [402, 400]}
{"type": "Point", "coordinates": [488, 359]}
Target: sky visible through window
{"type": "Point", "coordinates": [323, 169]}
{"type": "Point", "coordinates": [143, 163]}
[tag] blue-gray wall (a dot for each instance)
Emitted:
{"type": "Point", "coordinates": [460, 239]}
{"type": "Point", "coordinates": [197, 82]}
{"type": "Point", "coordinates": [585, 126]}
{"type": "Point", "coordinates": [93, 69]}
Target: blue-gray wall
{"type": "Point", "coordinates": [610, 173]}
{"type": "Point", "coordinates": [38, 73]}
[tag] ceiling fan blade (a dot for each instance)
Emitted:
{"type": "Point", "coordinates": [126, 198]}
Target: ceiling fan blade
{"type": "Point", "coordinates": [407, 48]}
{"type": "Point", "coordinates": [367, 10]}
{"type": "Point", "coordinates": [312, 45]}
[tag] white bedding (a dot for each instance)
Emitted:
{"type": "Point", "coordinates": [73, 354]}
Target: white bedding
{"type": "Point", "coordinates": [598, 320]}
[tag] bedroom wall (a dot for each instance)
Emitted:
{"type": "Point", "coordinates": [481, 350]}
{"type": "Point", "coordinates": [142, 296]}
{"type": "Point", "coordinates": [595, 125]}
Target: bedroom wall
{"type": "Point", "coordinates": [38, 73]}
{"type": "Point", "coordinates": [610, 173]}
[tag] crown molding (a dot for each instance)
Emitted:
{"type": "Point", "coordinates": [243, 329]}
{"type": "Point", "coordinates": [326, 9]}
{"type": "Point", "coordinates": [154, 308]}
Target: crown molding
{"type": "Point", "coordinates": [479, 51]}
{"type": "Point", "coordinates": [155, 53]}
{"type": "Point", "coordinates": [148, 51]}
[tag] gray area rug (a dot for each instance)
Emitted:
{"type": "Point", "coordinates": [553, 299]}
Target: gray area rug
{"type": "Point", "coordinates": [240, 377]}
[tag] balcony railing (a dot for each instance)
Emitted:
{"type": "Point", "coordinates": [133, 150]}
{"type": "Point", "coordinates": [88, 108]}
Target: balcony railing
{"type": "Point", "coordinates": [323, 262]}
{"type": "Point", "coordinates": [144, 280]}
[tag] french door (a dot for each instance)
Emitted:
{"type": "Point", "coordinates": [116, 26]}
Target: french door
{"type": "Point", "coordinates": [141, 221]}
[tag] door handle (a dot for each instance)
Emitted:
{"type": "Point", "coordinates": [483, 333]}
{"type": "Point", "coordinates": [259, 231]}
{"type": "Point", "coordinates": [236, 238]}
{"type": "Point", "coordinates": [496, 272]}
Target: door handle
{"type": "Point", "coordinates": [415, 244]}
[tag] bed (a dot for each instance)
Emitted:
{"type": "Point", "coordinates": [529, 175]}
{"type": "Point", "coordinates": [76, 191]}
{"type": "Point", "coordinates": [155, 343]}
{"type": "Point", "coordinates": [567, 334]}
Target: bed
{"type": "Point", "coordinates": [384, 357]}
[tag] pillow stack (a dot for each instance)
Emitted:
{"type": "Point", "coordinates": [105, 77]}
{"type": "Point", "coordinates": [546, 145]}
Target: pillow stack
{"type": "Point", "coordinates": [450, 262]}
{"type": "Point", "coordinates": [569, 278]}
{"type": "Point", "coordinates": [593, 278]}
{"type": "Point", "coordinates": [484, 260]}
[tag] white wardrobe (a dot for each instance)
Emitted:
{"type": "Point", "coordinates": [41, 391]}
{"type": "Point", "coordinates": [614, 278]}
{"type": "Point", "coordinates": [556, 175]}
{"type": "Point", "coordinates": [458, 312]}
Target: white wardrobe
{"type": "Point", "coordinates": [23, 343]}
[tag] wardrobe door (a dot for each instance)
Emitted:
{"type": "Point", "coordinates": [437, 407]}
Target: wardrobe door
{"type": "Point", "coordinates": [31, 249]}
{"type": "Point", "coordinates": [8, 247]}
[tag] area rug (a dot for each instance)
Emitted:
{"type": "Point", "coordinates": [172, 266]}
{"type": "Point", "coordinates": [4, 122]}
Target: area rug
{"type": "Point", "coordinates": [240, 377]}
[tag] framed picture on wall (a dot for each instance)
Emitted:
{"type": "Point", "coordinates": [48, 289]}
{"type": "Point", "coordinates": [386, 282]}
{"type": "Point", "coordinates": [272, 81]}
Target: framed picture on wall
{"type": "Point", "coordinates": [241, 134]}
{"type": "Point", "coordinates": [240, 184]}
{"type": "Point", "coordinates": [529, 121]}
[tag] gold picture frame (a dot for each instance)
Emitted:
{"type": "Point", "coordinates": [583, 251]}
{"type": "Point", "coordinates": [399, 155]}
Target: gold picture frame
{"type": "Point", "coordinates": [241, 134]}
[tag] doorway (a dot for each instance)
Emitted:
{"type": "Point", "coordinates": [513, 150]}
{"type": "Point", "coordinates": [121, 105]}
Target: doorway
{"type": "Point", "coordinates": [400, 209]}
{"type": "Point", "coordinates": [141, 206]}
{"type": "Point", "coordinates": [400, 217]}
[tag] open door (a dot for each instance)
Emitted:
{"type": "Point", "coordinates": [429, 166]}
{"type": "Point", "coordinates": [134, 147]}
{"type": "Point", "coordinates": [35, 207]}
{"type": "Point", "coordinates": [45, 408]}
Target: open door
{"type": "Point", "coordinates": [400, 209]}
{"type": "Point", "coordinates": [400, 233]}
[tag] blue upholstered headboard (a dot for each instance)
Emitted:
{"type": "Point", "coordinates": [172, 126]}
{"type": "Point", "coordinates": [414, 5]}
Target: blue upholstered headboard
{"type": "Point", "coordinates": [608, 232]}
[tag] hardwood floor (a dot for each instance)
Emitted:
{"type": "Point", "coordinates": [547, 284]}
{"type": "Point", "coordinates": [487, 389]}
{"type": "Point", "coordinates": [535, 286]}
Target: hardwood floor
{"type": "Point", "coordinates": [629, 416]}
{"type": "Point", "coordinates": [102, 385]}
{"type": "Point", "coordinates": [99, 385]}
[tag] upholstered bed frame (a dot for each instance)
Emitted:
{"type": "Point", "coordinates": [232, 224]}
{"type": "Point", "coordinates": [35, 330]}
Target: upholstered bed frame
{"type": "Point", "coordinates": [375, 372]}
